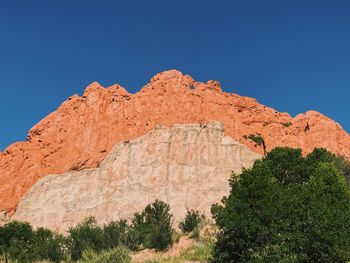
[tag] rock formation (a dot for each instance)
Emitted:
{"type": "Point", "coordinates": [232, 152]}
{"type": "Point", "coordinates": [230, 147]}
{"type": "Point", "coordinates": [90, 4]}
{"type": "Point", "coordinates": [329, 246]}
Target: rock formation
{"type": "Point", "coordinates": [81, 132]}
{"type": "Point", "coordinates": [187, 166]}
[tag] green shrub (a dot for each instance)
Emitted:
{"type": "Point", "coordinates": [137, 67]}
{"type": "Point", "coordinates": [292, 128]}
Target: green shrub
{"type": "Point", "coordinates": [191, 221]}
{"type": "Point", "coordinates": [48, 246]}
{"type": "Point", "coordinates": [255, 138]}
{"type": "Point", "coordinates": [134, 239]}
{"type": "Point", "coordinates": [57, 248]}
{"type": "Point", "coordinates": [116, 233]}
{"type": "Point", "coordinates": [42, 238]}
{"type": "Point", "coordinates": [287, 208]}
{"type": "Point", "coordinates": [19, 242]}
{"type": "Point", "coordinates": [286, 124]}
{"type": "Point", "coordinates": [86, 235]}
{"type": "Point", "coordinates": [16, 241]}
{"type": "Point", "coordinates": [153, 227]}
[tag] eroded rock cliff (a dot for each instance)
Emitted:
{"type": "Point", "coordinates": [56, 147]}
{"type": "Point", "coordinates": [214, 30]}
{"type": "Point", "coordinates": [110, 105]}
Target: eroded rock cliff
{"type": "Point", "coordinates": [84, 128]}
{"type": "Point", "coordinates": [187, 166]}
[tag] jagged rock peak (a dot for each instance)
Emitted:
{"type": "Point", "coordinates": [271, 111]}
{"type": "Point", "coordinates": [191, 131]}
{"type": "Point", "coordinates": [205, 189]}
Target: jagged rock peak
{"type": "Point", "coordinates": [175, 81]}
{"type": "Point", "coordinates": [169, 80]}
{"type": "Point", "coordinates": [92, 87]}
{"type": "Point", "coordinates": [166, 76]}
{"type": "Point", "coordinates": [97, 88]}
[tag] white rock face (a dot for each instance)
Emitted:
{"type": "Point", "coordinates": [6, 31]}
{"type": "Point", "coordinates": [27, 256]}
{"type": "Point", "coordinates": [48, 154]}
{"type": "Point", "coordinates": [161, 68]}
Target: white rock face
{"type": "Point", "coordinates": [187, 166]}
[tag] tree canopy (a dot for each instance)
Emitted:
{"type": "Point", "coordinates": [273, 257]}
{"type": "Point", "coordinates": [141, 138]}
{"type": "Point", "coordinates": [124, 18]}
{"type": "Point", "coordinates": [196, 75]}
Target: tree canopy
{"type": "Point", "coordinates": [286, 208]}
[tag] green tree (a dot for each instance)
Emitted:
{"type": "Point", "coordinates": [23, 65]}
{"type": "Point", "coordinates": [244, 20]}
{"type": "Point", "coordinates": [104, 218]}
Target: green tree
{"type": "Point", "coordinates": [116, 233]}
{"type": "Point", "coordinates": [48, 245]}
{"type": "Point", "coordinates": [86, 235]}
{"type": "Point", "coordinates": [322, 155]}
{"type": "Point", "coordinates": [191, 221]}
{"type": "Point", "coordinates": [19, 242]}
{"type": "Point", "coordinates": [287, 208]}
{"type": "Point", "coordinates": [153, 226]}
{"type": "Point", "coordinates": [16, 241]}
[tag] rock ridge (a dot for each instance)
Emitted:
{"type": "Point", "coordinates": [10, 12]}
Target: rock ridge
{"type": "Point", "coordinates": [81, 132]}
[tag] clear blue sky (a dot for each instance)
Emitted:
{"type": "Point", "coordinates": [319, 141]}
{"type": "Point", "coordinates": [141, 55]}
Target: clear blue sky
{"type": "Point", "coordinates": [290, 55]}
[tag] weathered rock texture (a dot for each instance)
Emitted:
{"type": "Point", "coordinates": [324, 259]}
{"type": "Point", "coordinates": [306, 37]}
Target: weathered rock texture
{"type": "Point", "coordinates": [187, 166]}
{"type": "Point", "coordinates": [84, 128]}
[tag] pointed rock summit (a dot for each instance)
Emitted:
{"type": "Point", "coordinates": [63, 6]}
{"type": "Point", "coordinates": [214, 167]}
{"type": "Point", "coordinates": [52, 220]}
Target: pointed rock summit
{"type": "Point", "coordinates": [83, 130]}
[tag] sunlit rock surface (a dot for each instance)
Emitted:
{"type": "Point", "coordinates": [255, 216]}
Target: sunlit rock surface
{"type": "Point", "coordinates": [187, 166]}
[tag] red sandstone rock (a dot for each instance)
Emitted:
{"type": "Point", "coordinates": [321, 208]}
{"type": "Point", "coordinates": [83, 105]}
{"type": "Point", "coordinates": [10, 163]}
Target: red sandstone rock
{"type": "Point", "coordinates": [81, 132]}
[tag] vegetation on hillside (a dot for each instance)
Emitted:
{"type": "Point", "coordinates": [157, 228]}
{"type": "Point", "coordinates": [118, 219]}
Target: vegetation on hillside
{"type": "Point", "coordinates": [152, 228]}
{"type": "Point", "coordinates": [18, 241]}
{"type": "Point", "coordinates": [287, 208]}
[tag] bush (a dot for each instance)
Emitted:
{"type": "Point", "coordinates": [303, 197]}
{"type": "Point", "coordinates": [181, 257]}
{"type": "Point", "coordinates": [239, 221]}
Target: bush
{"type": "Point", "coordinates": [153, 227]}
{"type": "Point", "coordinates": [56, 248]}
{"type": "Point", "coordinates": [116, 233]}
{"type": "Point", "coordinates": [255, 138]}
{"type": "Point", "coordinates": [19, 242]}
{"type": "Point", "coordinates": [150, 229]}
{"type": "Point", "coordinates": [192, 221]}
{"type": "Point", "coordinates": [287, 208]}
{"type": "Point", "coordinates": [286, 124]}
{"type": "Point", "coordinates": [48, 246]}
{"type": "Point", "coordinates": [86, 235]}
{"type": "Point", "coordinates": [16, 241]}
